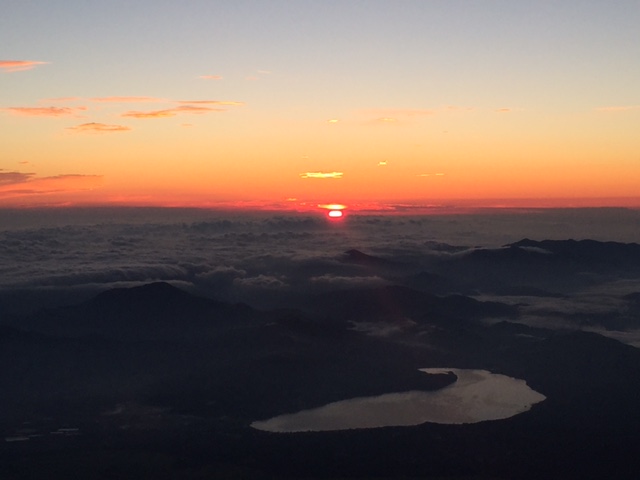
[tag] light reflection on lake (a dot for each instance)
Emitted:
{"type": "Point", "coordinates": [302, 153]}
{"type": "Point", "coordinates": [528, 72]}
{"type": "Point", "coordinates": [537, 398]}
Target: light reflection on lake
{"type": "Point", "coordinates": [476, 396]}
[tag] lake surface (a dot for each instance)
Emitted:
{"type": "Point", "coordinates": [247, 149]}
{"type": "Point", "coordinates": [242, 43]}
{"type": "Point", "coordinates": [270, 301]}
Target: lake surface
{"type": "Point", "coordinates": [477, 396]}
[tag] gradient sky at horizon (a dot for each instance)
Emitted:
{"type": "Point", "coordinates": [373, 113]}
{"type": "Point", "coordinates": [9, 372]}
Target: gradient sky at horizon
{"type": "Point", "coordinates": [280, 103]}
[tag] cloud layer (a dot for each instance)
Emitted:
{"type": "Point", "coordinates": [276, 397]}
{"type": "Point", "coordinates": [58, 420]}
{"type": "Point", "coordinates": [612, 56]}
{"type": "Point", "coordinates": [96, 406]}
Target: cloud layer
{"type": "Point", "coordinates": [177, 107]}
{"type": "Point", "coordinates": [274, 261]}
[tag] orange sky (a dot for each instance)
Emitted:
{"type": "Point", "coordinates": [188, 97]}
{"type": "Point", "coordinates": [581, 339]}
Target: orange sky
{"type": "Point", "coordinates": [533, 102]}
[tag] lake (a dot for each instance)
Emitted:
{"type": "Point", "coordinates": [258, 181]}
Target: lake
{"type": "Point", "coordinates": [477, 396]}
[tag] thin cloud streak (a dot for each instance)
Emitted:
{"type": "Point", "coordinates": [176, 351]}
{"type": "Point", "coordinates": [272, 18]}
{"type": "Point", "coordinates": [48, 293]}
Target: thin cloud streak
{"type": "Point", "coordinates": [94, 127]}
{"type": "Point", "coordinates": [210, 77]}
{"type": "Point", "coordinates": [322, 175]}
{"type": "Point", "coordinates": [171, 112]}
{"type": "Point", "coordinates": [17, 184]}
{"type": "Point", "coordinates": [10, 66]}
{"type": "Point", "coordinates": [45, 111]}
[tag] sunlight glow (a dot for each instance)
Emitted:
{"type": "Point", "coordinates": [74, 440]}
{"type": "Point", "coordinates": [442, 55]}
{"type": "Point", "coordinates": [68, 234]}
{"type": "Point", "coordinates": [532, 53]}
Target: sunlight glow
{"type": "Point", "coordinates": [333, 206]}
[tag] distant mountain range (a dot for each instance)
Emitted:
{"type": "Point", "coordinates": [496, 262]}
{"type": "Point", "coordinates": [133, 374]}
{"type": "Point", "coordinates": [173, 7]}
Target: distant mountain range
{"type": "Point", "coordinates": [158, 370]}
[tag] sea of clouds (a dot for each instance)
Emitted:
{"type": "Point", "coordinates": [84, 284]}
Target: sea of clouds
{"type": "Point", "coordinates": [55, 257]}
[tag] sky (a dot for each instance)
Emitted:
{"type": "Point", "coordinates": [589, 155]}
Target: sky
{"type": "Point", "coordinates": [277, 104]}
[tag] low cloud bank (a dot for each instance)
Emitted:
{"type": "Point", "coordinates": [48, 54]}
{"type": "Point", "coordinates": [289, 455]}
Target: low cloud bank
{"type": "Point", "coordinates": [52, 258]}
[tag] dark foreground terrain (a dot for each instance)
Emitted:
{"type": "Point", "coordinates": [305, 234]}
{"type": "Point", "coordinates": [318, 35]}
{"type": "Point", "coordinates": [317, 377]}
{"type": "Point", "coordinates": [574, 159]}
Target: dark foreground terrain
{"type": "Point", "coordinates": [153, 382]}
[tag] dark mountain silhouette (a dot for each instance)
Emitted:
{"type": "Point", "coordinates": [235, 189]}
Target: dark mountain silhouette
{"type": "Point", "coordinates": [524, 290]}
{"type": "Point", "coordinates": [158, 295]}
{"type": "Point", "coordinates": [159, 344]}
{"type": "Point", "coordinates": [551, 266]}
{"type": "Point", "coordinates": [164, 384]}
{"type": "Point", "coordinates": [611, 254]}
{"type": "Point", "coordinates": [438, 284]}
{"type": "Point", "coordinates": [633, 305]}
{"type": "Point", "coordinates": [153, 311]}
{"type": "Point", "coordinates": [357, 257]}
{"type": "Point", "coordinates": [397, 303]}
{"type": "Point", "coordinates": [633, 297]}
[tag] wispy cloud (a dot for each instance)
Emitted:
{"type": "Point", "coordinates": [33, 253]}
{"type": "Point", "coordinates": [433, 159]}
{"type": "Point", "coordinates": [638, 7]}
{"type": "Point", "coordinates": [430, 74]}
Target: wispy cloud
{"type": "Point", "coordinates": [387, 120]}
{"type": "Point", "coordinates": [14, 178]}
{"type": "Point", "coordinates": [620, 108]}
{"type": "Point", "coordinates": [321, 175]}
{"type": "Point", "coordinates": [210, 77]}
{"type": "Point", "coordinates": [175, 107]}
{"type": "Point", "coordinates": [260, 74]}
{"type": "Point", "coordinates": [94, 127]}
{"type": "Point", "coordinates": [18, 65]}
{"type": "Point", "coordinates": [73, 177]}
{"type": "Point", "coordinates": [171, 112]}
{"type": "Point", "coordinates": [19, 184]}
{"type": "Point", "coordinates": [45, 111]}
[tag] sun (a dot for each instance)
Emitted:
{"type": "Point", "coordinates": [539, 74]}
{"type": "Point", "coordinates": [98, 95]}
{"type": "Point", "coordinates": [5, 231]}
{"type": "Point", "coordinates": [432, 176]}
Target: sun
{"type": "Point", "coordinates": [335, 213]}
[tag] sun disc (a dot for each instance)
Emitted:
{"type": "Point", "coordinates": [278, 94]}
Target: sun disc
{"type": "Point", "coordinates": [335, 213]}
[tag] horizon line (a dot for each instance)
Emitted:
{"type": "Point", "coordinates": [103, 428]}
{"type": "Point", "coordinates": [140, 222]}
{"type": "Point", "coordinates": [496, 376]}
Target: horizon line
{"type": "Point", "coordinates": [399, 207]}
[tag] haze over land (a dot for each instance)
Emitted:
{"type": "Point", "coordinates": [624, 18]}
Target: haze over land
{"type": "Point", "coordinates": [260, 257]}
